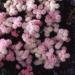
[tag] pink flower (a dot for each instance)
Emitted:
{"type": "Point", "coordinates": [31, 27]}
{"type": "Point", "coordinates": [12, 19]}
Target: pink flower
{"type": "Point", "coordinates": [17, 22]}
{"type": "Point", "coordinates": [49, 42]}
{"type": "Point", "coordinates": [10, 56]}
{"type": "Point", "coordinates": [22, 54]}
{"type": "Point", "coordinates": [4, 29]}
{"type": "Point", "coordinates": [20, 1]}
{"type": "Point", "coordinates": [62, 34]}
{"type": "Point", "coordinates": [2, 17]}
{"type": "Point", "coordinates": [52, 17]}
{"type": "Point", "coordinates": [62, 54]}
{"type": "Point", "coordinates": [30, 4]}
{"type": "Point", "coordinates": [50, 63]}
{"type": "Point", "coordinates": [26, 72]}
{"type": "Point", "coordinates": [33, 26]}
{"type": "Point", "coordinates": [18, 46]}
{"type": "Point", "coordinates": [50, 52]}
{"type": "Point", "coordinates": [4, 44]}
{"type": "Point", "coordinates": [41, 49]}
{"type": "Point", "coordinates": [59, 44]}
{"type": "Point", "coordinates": [36, 21]}
{"type": "Point", "coordinates": [29, 60]}
{"type": "Point", "coordinates": [39, 11]}
{"type": "Point", "coordinates": [3, 47]}
{"type": "Point", "coordinates": [14, 33]}
{"type": "Point", "coordinates": [26, 37]}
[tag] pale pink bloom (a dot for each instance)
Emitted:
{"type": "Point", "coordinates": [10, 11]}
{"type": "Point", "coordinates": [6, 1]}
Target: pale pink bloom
{"type": "Point", "coordinates": [62, 34]}
{"type": "Point", "coordinates": [19, 55]}
{"type": "Point", "coordinates": [50, 63]}
{"type": "Point", "coordinates": [2, 17]}
{"type": "Point", "coordinates": [22, 54]}
{"type": "Point", "coordinates": [25, 54]}
{"type": "Point", "coordinates": [38, 13]}
{"type": "Point", "coordinates": [29, 60]}
{"type": "Point", "coordinates": [30, 28]}
{"type": "Point", "coordinates": [43, 12]}
{"type": "Point", "coordinates": [56, 28]}
{"type": "Point", "coordinates": [26, 72]}
{"type": "Point", "coordinates": [53, 5]}
{"type": "Point", "coordinates": [49, 42]}
{"type": "Point", "coordinates": [14, 6]}
{"type": "Point", "coordinates": [18, 46]}
{"type": "Point", "coordinates": [63, 55]}
{"type": "Point", "coordinates": [30, 4]}
{"type": "Point", "coordinates": [4, 44]}
{"type": "Point", "coordinates": [3, 47]}
{"type": "Point", "coordinates": [41, 49]}
{"type": "Point", "coordinates": [26, 37]}
{"type": "Point", "coordinates": [33, 26]}
{"type": "Point", "coordinates": [4, 29]}
{"type": "Point", "coordinates": [12, 11]}
{"type": "Point", "coordinates": [48, 20]}
{"type": "Point", "coordinates": [17, 22]}
{"type": "Point", "coordinates": [20, 1]}
{"type": "Point", "coordinates": [36, 35]}
{"type": "Point", "coordinates": [10, 56]}
{"type": "Point", "coordinates": [50, 52]}
{"type": "Point", "coordinates": [59, 44]}
{"type": "Point", "coordinates": [52, 17]}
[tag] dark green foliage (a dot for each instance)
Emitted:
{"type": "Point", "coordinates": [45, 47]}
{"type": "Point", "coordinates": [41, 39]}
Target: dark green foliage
{"type": "Point", "coordinates": [4, 72]}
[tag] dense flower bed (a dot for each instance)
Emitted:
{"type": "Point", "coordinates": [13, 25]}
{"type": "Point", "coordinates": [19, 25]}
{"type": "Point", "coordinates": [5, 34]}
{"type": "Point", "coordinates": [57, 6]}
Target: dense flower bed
{"type": "Point", "coordinates": [41, 35]}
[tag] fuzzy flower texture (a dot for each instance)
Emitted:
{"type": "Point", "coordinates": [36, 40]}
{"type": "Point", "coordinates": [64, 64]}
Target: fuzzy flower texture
{"type": "Point", "coordinates": [30, 29]}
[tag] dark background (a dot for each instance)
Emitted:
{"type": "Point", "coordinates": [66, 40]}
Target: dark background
{"type": "Point", "coordinates": [66, 68]}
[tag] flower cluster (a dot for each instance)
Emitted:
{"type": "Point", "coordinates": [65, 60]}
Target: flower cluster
{"type": "Point", "coordinates": [40, 36]}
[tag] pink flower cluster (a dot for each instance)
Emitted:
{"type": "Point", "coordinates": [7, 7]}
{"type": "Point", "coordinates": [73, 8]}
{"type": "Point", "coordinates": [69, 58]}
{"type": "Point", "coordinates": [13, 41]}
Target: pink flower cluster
{"type": "Point", "coordinates": [27, 71]}
{"type": "Point", "coordinates": [42, 18]}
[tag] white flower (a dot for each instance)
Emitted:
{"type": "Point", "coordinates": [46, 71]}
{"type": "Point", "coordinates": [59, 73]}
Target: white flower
{"type": "Point", "coordinates": [30, 4]}
{"type": "Point", "coordinates": [53, 5]}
